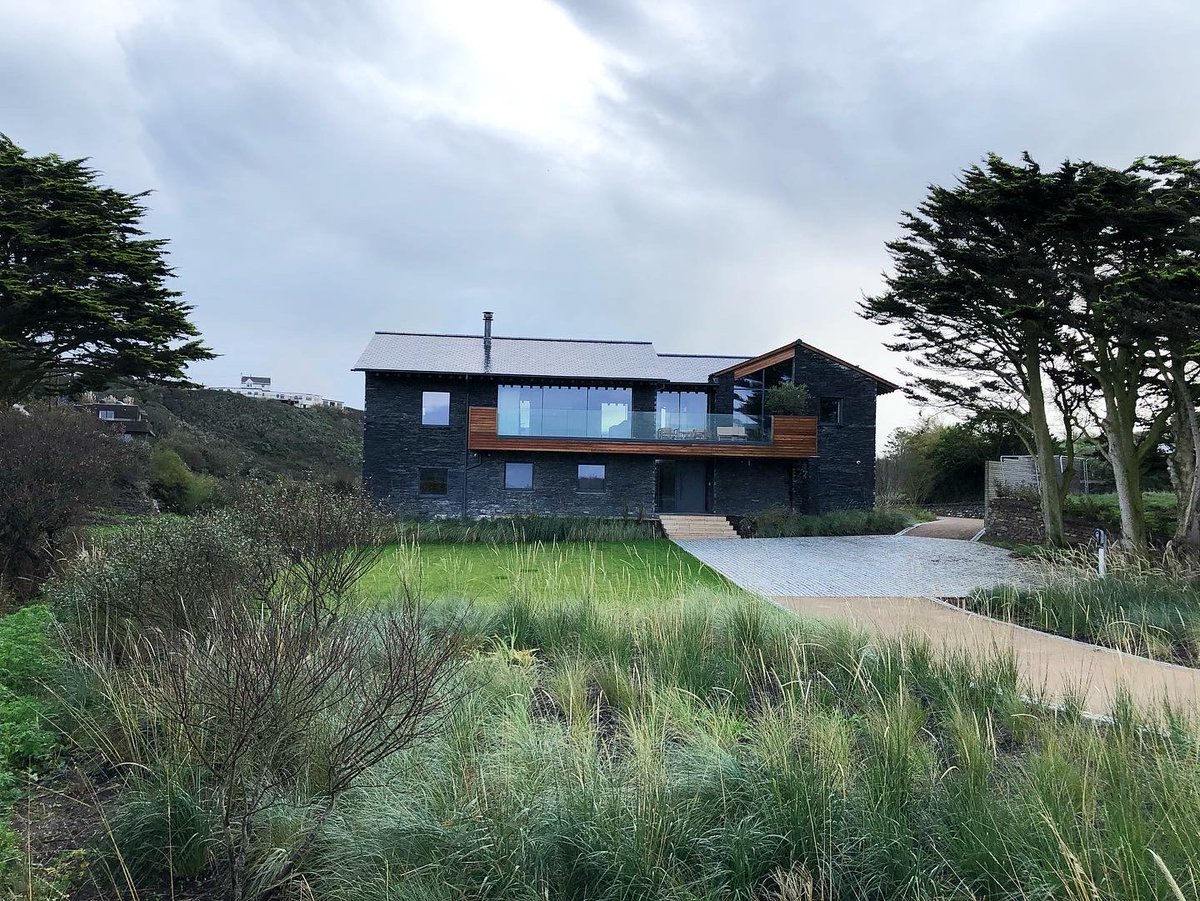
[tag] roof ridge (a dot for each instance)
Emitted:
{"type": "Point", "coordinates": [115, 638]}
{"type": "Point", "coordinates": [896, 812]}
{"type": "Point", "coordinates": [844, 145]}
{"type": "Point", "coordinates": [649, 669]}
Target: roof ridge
{"type": "Point", "coordinates": [518, 338]}
{"type": "Point", "coordinates": [710, 356]}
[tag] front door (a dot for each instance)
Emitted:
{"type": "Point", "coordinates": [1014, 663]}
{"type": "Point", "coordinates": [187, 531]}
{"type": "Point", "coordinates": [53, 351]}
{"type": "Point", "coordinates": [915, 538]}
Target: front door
{"type": "Point", "coordinates": [691, 486]}
{"type": "Point", "coordinates": [682, 486]}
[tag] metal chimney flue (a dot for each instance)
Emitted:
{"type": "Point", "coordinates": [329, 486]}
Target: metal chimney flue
{"type": "Point", "coordinates": [487, 341]}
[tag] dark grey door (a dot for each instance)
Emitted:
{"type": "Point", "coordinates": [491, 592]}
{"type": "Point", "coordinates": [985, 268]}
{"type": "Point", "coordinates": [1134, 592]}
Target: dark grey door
{"type": "Point", "coordinates": [691, 486]}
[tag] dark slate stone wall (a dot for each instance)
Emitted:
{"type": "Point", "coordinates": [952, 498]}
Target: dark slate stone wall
{"type": "Point", "coordinates": [396, 446]}
{"type": "Point", "coordinates": [750, 486]}
{"type": "Point", "coordinates": [628, 485]}
{"type": "Point", "coordinates": [843, 475]}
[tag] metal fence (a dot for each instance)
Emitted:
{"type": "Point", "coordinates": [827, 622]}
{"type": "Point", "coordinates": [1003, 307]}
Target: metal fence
{"type": "Point", "coordinates": [1014, 473]}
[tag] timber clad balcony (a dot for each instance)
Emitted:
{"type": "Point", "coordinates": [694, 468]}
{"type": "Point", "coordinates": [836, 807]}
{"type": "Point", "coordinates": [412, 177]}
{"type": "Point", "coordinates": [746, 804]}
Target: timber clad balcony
{"type": "Point", "coordinates": [793, 437]}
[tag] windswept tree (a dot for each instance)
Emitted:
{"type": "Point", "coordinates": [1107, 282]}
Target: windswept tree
{"type": "Point", "coordinates": [977, 302]}
{"type": "Point", "coordinates": [1125, 245]}
{"type": "Point", "coordinates": [84, 296]}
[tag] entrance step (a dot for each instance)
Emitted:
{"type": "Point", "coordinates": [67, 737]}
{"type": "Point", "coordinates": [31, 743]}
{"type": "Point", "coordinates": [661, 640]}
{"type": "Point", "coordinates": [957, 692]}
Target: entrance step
{"type": "Point", "coordinates": [696, 526]}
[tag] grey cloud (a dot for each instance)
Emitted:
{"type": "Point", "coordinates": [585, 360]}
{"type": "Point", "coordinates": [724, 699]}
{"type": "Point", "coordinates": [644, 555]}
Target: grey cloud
{"type": "Point", "coordinates": [736, 189]}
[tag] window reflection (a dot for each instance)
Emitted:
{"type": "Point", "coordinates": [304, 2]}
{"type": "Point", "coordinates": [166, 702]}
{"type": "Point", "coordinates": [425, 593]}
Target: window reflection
{"type": "Point", "coordinates": [682, 413]}
{"type": "Point", "coordinates": [564, 411]}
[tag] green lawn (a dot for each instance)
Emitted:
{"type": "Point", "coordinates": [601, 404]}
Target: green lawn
{"type": "Point", "coordinates": [629, 574]}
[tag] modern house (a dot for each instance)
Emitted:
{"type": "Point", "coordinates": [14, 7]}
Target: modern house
{"type": "Point", "coordinates": [124, 414]}
{"type": "Point", "coordinates": [482, 425]}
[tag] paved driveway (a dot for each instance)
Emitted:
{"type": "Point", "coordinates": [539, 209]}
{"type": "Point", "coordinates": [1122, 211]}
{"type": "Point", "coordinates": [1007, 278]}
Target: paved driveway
{"type": "Point", "coordinates": [858, 566]}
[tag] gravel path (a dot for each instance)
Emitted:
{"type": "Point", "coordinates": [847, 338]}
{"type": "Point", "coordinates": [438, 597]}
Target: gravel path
{"type": "Point", "coordinates": [858, 566]}
{"type": "Point", "coordinates": [959, 527]}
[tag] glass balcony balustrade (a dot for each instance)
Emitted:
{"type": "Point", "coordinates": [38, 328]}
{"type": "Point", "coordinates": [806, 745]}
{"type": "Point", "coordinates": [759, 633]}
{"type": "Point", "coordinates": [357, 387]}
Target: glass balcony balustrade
{"type": "Point", "coordinates": [625, 425]}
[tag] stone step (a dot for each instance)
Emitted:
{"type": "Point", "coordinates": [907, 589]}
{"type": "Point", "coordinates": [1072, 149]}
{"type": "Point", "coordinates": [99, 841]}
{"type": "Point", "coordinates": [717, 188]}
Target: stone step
{"type": "Point", "coordinates": [695, 527]}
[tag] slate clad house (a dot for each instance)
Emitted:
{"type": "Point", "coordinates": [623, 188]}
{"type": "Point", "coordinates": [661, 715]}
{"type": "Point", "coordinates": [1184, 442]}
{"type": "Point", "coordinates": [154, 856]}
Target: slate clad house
{"type": "Point", "coordinates": [476, 425]}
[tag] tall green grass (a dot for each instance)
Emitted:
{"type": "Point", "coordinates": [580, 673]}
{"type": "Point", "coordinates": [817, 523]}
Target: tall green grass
{"type": "Point", "coordinates": [1145, 606]}
{"type": "Point", "coordinates": [790, 524]}
{"type": "Point", "coordinates": [734, 753]}
{"type": "Point", "coordinates": [527, 529]}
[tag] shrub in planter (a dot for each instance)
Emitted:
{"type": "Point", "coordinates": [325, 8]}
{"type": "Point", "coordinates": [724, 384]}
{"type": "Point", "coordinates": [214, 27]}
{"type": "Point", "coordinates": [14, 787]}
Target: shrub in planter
{"type": "Point", "coordinates": [788, 399]}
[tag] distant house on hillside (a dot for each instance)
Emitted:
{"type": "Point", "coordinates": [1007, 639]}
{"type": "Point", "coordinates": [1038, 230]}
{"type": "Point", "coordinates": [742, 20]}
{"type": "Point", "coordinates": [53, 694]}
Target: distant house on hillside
{"type": "Point", "coordinates": [260, 386]}
{"type": "Point", "coordinates": [124, 413]}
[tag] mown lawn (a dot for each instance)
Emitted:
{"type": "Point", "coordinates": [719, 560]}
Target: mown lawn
{"type": "Point", "coordinates": [630, 574]}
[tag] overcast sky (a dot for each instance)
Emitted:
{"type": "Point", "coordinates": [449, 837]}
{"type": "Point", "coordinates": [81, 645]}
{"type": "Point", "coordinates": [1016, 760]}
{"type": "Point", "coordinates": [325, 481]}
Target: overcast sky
{"type": "Point", "coordinates": [715, 177]}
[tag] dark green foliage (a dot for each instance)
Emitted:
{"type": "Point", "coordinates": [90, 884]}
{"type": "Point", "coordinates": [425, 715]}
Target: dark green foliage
{"type": "Point", "coordinates": [528, 529]}
{"type": "Point", "coordinates": [789, 524]}
{"type": "Point", "coordinates": [83, 294]}
{"type": "Point", "coordinates": [788, 399]}
{"type": "Point", "coordinates": [227, 435]}
{"type": "Point", "coordinates": [1161, 509]}
{"type": "Point", "coordinates": [936, 463]}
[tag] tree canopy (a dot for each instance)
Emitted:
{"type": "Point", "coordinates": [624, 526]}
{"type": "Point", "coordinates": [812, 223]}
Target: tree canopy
{"type": "Point", "coordinates": [84, 296]}
{"type": "Point", "coordinates": [1059, 301]}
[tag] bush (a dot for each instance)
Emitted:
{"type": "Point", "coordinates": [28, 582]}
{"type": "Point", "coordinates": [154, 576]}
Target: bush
{"type": "Point", "coordinates": [787, 399]}
{"type": "Point", "coordinates": [530, 529]}
{"type": "Point", "coordinates": [158, 573]}
{"type": "Point", "coordinates": [56, 466]}
{"type": "Point", "coordinates": [29, 659]}
{"type": "Point", "coordinates": [176, 487]}
{"type": "Point", "coordinates": [1162, 512]}
{"type": "Point", "coordinates": [790, 524]}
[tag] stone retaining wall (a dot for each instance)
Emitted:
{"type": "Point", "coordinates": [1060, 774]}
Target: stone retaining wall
{"type": "Point", "coordinates": [1019, 519]}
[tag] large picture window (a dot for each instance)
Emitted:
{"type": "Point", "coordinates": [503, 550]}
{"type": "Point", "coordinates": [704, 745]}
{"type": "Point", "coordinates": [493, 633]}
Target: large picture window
{"type": "Point", "coordinates": [518, 476]}
{"type": "Point", "coordinates": [591, 477]}
{"type": "Point", "coordinates": [435, 408]}
{"type": "Point", "coordinates": [564, 411]}
{"type": "Point", "coordinates": [681, 412]}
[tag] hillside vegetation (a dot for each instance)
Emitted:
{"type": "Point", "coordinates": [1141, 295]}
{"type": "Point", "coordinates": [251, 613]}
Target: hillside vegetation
{"type": "Point", "coordinates": [227, 435]}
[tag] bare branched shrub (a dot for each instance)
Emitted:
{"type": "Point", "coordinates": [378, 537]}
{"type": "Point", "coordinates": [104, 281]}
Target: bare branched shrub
{"type": "Point", "coordinates": [55, 467]}
{"type": "Point", "coordinates": [273, 700]}
{"type": "Point", "coordinates": [328, 539]}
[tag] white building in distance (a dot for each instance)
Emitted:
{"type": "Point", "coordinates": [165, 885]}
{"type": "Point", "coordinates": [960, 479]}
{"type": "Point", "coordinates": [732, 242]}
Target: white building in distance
{"type": "Point", "coordinates": [260, 386]}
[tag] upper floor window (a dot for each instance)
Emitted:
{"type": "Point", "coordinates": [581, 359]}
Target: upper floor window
{"type": "Point", "coordinates": [435, 408]}
{"type": "Point", "coordinates": [564, 411]}
{"type": "Point", "coordinates": [831, 410]}
{"type": "Point", "coordinates": [107, 414]}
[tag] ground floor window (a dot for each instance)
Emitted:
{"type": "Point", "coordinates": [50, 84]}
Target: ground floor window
{"type": "Point", "coordinates": [591, 477]}
{"type": "Point", "coordinates": [432, 480]}
{"type": "Point", "coordinates": [518, 476]}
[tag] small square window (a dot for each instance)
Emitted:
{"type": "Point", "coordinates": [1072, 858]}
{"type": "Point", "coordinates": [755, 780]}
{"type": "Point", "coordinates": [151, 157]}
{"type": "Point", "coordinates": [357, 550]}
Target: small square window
{"type": "Point", "coordinates": [432, 480]}
{"type": "Point", "coordinates": [518, 476]}
{"type": "Point", "coordinates": [591, 477]}
{"type": "Point", "coordinates": [831, 410]}
{"type": "Point", "coordinates": [435, 408]}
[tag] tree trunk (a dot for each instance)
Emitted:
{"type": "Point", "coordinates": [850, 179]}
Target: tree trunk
{"type": "Point", "coordinates": [1187, 457]}
{"type": "Point", "coordinates": [1050, 489]}
{"type": "Point", "coordinates": [1127, 475]}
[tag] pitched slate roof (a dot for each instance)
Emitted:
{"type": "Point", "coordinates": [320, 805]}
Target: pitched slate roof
{"type": "Point", "coordinates": [550, 357]}
{"type": "Point", "coordinates": [413, 352]}
{"type": "Point", "coordinates": [692, 369]}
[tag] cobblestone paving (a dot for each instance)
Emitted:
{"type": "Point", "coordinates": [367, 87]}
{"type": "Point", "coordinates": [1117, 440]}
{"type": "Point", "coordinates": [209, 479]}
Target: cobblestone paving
{"type": "Point", "coordinates": [859, 566]}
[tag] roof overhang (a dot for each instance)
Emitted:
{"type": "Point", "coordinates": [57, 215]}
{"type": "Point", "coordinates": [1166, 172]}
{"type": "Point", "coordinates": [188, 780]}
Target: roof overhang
{"type": "Point", "coordinates": [788, 351]}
